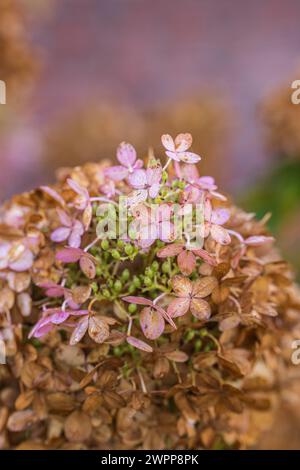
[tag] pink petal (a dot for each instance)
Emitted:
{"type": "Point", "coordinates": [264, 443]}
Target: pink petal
{"type": "Point", "coordinates": [98, 329]}
{"type": "Point", "coordinates": [168, 142]}
{"type": "Point", "coordinates": [173, 155]}
{"type": "Point", "coordinates": [54, 194]}
{"type": "Point", "coordinates": [154, 190]}
{"type": "Point", "coordinates": [152, 323]}
{"type": "Point", "coordinates": [186, 262]}
{"type": "Point", "coordinates": [178, 307]}
{"type": "Point", "coordinates": [116, 173]}
{"type": "Point", "coordinates": [64, 217]}
{"type": "Point", "coordinates": [138, 179]}
{"type": "Point", "coordinates": [170, 250]}
{"type": "Point", "coordinates": [220, 235]}
{"type": "Point", "coordinates": [87, 216]}
{"type": "Point", "coordinates": [59, 317]}
{"type": "Point", "coordinates": [137, 197]}
{"type": "Point", "coordinates": [200, 309]}
{"type": "Point", "coordinates": [205, 256]}
{"type": "Point", "coordinates": [79, 331]}
{"type": "Point", "coordinates": [207, 182]}
{"type": "Point", "coordinates": [138, 164]}
{"type": "Point", "coordinates": [60, 234]}
{"type": "Point", "coordinates": [54, 291]}
{"type": "Point", "coordinates": [183, 142]}
{"type": "Point", "coordinates": [69, 255]}
{"type": "Point", "coordinates": [139, 344]}
{"type": "Point", "coordinates": [257, 240]}
{"type": "Point", "coordinates": [38, 329]}
{"type": "Point", "coordinates": [220, 216]}
{"type": "Point", "coordinates": [75, 236]}
{"type": "Point", "coordinates": [87, 267]}
{"type": "Point", "coordinates": [23, 263]}
{"type": "Point", "coordinates": [189, 157]}
{"type": "Point", "coordinates": [182, 286]}
{"type": "Point", "coordinates": [126, 154]}
{"type": "Point", "coordinates": [165, 315]}
{"type": "Point", "coordinates": [137, 300]}
{"type": "Point", "coordinates": [78, 313]}
{"type": "Point", "coordinates": [189, 172]}
{"type": "Point", "coordinates": [83, 192]}
{"type": "Point", "coordinates": [43, 330]}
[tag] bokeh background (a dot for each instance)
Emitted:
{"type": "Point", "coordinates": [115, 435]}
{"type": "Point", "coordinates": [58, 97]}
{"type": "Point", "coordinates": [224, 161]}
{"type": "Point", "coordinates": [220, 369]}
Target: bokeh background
{"type": "Point", "coordinates": [83, 75]}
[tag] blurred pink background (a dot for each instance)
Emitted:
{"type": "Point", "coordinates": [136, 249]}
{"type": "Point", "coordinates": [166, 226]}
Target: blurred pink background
{"type": "Point", "coordinates": [140, 53]}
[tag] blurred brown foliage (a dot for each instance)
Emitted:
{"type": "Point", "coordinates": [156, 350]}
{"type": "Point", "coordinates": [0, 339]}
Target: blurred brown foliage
{"type": "Point", "coordinates": [281, 118]}
{"type": "Point", "coordinates": [94, 131]}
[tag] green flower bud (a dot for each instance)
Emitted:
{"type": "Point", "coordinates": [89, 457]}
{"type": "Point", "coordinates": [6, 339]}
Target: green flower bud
{"type": "Point", "coordinates": [118, 286]}
{"type": "Point", "coordinates": [165, 267]}
{"type": "Point", "coordinates": [131, 289]}
{"type": "Point", "coordinates": [120, 244]}
{"type": "Point", "coordinates": [155, 266]}
{"type": "Point", "coordinates": [106, 293]}
{"type": "Point", "coordinates": [94, 250]}
{"type": "Point", "coordinates": [189, 336]}
{"type": "Point", "coordinates": [129, 249]}
{"type": "Point", "coordinates": [165, 176]}
{"type": "Point", "coordinates": [98, 271]}
{"type": "Point", "coordinates": [94, 287]}
{"type": "Point", "coordinates": [198, 345]}
{"type": "Point", "coordinates": [125, 275]}
{"type": "Point", "coordinates": [115, 254]}
{"type": "Point", "coordinates": [149, 272]}
{"type": "Point", "coordinates": [105, 244]}
{"type": "Point", "coordinates": [132, 308]}
{"type": "Point", "coordinates": [147, 281]}
{"type": "Point", "coordinates": [203, 332]}
{"type": "Point", "coordinates": [136, 281]}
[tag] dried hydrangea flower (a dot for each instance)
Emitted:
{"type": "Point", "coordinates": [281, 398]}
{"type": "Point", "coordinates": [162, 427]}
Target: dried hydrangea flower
{"type": "Point", "coordinates": [137, 334]}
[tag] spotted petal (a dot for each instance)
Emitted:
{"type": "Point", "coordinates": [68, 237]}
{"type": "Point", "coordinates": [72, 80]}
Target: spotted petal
{"type": "Point", "coordinates": [116, 173]}
{"type": "Point", "coordinates": [200, 309]}
{"type": "Point", "coordinates": [220, 235]}
{"type": "Point", "coordinates": [168, 142]}
{"type": "Point", "coordinates": [178, 307]}
{"type": "Point", "coordinates": [139, 344]}
{"type": "Point", "coordinates": [181, 285]}
{"type": "Point", "coordinates": [126, 154]}
{"type": "Point", "coordinates": [138, 179]}
{"type": "Point", "coordinates": [152, 323]}
{"type": "Point", "coordinates": [186, 262]}
{"type": "Point", "coordinates": [79, 331]}
{"type": "Point", "coordinates": [170, 250]}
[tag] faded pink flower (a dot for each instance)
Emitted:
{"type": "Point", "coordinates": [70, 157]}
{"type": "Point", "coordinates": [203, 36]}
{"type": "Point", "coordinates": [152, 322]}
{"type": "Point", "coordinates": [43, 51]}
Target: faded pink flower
{"type": "Point", "coordinates": [152, 318]}
{"type": "Point", "coordinates": [97, 327]}
{"type": "Point", "coordinates": [177, 149]}
{"type": "Point", "coordinates": [71, 230]}
{"type": "Point", "coordinates": [147, 181]}
{"type": "Point", "coordinates": [186, 256]}
{"type": "Point", "coordinates": [190, 296]}
{"type": "Point", "coordinates": [151, 224]}
{"type": "Point", "coordinates": [214, 219]}
{"type": "Point", "coordinates": [56, 290]}
{"type": "Point", "coordinates": [73, 255]}
{"type": "Point", "coordinates": [52, 317]}
{"type": "Point", "coordinates": [126, 155]}
{"type": "Point", "coordinates": [82, 201]}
